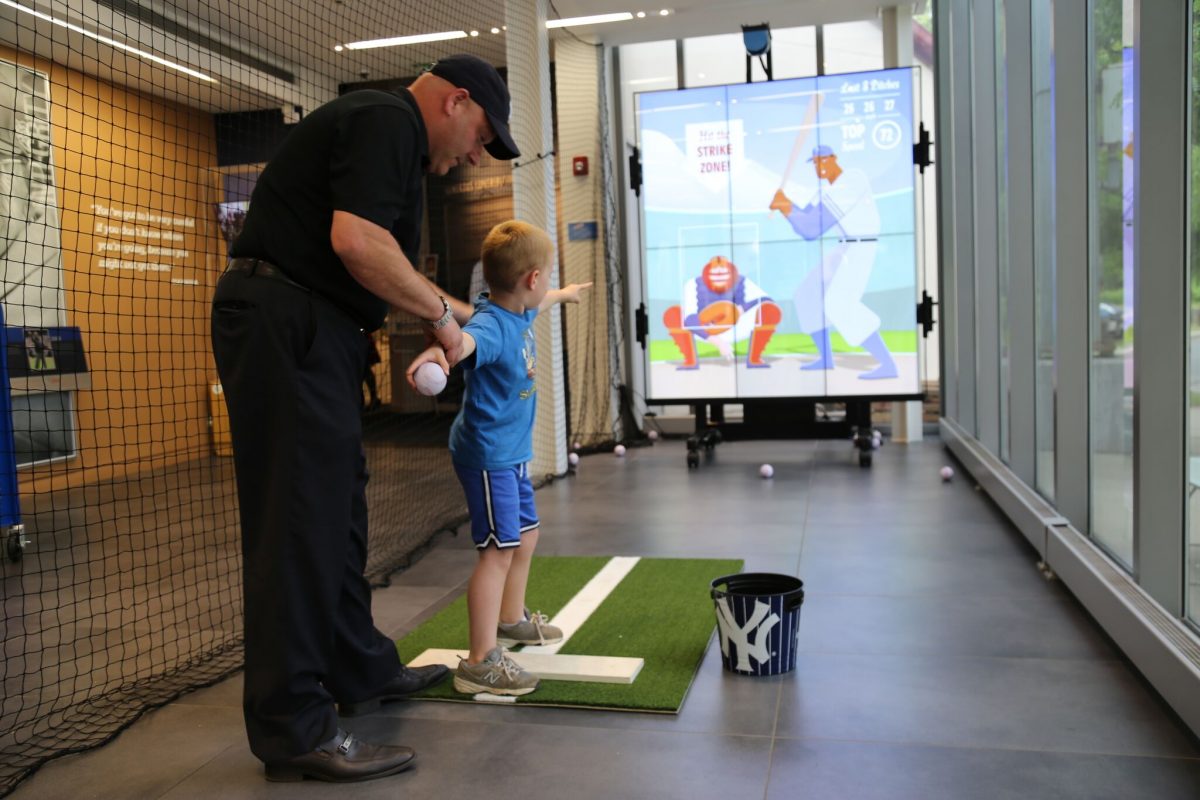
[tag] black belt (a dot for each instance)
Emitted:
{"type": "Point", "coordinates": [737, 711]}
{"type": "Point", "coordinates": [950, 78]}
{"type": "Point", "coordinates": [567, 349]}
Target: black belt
{"type": "Point", "coordinates": [263, 269]}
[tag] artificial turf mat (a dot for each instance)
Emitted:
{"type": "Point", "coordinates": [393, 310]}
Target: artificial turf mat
{"type": "Point", "coordinates": [660, 612]}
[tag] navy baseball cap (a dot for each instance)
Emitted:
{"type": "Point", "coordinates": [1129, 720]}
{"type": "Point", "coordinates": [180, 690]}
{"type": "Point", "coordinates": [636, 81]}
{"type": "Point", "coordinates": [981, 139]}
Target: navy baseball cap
{"type": "Point", "coordinates": [821, 151]}
{"type": "Point", "coordinates": [488, 90]}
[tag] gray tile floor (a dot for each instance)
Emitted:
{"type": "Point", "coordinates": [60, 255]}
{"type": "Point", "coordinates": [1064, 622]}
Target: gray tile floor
{"type": "Point", "coordinates": [935, 661]}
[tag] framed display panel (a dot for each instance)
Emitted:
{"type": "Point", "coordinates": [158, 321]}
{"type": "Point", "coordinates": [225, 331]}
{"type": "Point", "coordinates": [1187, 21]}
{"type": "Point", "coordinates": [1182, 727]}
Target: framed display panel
{"type": "Point", "coordinates": [779, 250]}
{"type": "Point", "coordinates": [44, 360]}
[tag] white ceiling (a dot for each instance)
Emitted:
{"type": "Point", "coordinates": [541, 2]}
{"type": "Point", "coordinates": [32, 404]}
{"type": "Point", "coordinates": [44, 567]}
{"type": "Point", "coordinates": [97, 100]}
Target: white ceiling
{"type": "Point", "coordinates": [299, 38]}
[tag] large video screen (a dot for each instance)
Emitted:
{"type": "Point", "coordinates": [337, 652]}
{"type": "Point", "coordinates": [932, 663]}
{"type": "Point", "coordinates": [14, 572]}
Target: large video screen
{"type": "Point", "coordinates": [779, 238]}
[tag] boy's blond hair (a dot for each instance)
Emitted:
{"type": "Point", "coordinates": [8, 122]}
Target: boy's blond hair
{"type": "Point", "coordinates": [511, 251]}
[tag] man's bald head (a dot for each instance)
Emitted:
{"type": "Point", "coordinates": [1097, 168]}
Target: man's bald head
{"type": "Point", "coordinates": [457, 126]}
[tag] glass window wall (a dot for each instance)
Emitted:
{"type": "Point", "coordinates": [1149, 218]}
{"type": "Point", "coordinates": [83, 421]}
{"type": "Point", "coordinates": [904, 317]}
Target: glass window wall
{"type": "Point", "coordinates": [853, 47]}
{"type": "Point", "coordinates": [1192, 567]}
{"type": "Point", "coordinates": [721, 59]}
{"type": "Point", "coordinates": [1045, 338]}
{"type": "Point", "coordinates": [794, 52]}
{"type": "Point", "coordinates": [645, 67]}
{"type": "Point", "coordinates": [716, 60]}
{"type": "Point", "coordinates": [1002, 249]}
{"type": "Point", "coordinates": [1112, 274]}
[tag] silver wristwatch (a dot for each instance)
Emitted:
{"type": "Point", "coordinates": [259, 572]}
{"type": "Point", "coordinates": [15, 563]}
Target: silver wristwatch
{"type": "Point", "coordinates": [444, 320]}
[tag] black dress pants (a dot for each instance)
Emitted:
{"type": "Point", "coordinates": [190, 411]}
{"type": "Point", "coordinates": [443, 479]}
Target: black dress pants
{"type": "Point", "coordinates": [291, 367]}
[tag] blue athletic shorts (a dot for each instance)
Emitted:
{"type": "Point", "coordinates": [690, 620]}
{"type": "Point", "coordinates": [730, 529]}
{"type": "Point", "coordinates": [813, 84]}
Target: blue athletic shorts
{"type": "Point", "coordinates": [501, 504]}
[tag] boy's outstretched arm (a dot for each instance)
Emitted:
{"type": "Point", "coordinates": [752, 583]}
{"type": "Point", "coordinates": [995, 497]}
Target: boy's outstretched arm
{"type": "Point", "coordinates": [437, 355]}
{"type": "Point", "coordinates": [567, 294]}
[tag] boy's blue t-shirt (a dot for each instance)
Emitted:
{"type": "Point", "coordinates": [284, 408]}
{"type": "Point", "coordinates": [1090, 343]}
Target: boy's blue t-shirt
{"type": "Point", "coordinates": [494, 428]}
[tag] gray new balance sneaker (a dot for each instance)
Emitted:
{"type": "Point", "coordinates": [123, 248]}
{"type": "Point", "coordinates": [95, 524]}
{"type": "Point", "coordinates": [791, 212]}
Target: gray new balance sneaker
{"type": "Point", "coordinates": [534, 629]}
{"type": "Point", "coordinates": [496, 674]}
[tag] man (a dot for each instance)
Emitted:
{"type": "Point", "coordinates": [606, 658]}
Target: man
{"type": "Point", "coordinates": [328, 245]}
{"type": "Point", "coordinates": [831, 297]}
{"type": "Point", "coordinates": [722, 307]}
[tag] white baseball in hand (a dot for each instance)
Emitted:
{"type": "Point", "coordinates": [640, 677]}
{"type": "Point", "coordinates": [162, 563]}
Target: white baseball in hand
{"type": "Point", "coordinates": [429, 378]}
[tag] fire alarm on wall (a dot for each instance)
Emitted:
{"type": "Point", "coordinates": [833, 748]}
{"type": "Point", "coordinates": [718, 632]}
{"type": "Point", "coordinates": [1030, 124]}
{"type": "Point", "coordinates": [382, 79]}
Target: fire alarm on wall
{"type": "Point", "coordinates": [579, 165]}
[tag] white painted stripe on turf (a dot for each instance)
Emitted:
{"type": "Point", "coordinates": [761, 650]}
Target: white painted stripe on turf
{"type": "Point", "coordinates": [586, 600]}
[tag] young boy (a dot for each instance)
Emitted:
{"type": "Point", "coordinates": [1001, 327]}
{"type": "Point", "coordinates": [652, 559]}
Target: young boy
{"type": "Point", "coordinates": [491, 445]}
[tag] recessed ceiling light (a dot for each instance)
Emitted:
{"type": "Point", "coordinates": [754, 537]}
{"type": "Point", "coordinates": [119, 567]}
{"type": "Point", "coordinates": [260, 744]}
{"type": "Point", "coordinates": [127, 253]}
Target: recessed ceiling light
{"type": "Point", "coordinates": [664, 12]}
{"type": "Point", "coordinates": [641, 15]}
{"type": "Point", "coordinates": [337, 48]}
{"type": "Point", "coordinates": [110, 42]}
{"type": "Point", "coordinates": [399, 40]}
{"type": "Point", "coordinates": [474, 33]}
{"type": "Point", "coordinates": [495, 30]}
{"type": "Point", "coordinates": [594, 19]}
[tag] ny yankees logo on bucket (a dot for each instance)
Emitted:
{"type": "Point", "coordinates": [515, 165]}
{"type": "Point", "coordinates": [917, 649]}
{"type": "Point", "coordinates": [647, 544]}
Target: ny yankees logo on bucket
{"type": "Point", "coordinates": [758, 617]}
{"type": "Point", "coordinates": [759, 624]}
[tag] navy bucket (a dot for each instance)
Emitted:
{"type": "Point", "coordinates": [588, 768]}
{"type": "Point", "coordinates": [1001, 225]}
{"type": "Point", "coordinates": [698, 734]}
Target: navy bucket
{"type": "Point", "coordinates": [758, 617]}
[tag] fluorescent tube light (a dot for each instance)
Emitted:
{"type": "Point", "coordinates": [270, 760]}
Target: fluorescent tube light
{"type": "Point", "coordinates": [595, 19]}
{"type": "Point", "coordinates": [644, 81]}
{"type": "Point", "coordinates": [110, 42]}
{"type": "Point", "coordinates": [399, 40]}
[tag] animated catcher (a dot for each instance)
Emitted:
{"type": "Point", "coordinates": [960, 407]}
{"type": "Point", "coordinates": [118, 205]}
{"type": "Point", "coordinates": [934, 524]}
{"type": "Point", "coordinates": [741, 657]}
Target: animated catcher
{"type": "Point", "coordinates": [721, 307]}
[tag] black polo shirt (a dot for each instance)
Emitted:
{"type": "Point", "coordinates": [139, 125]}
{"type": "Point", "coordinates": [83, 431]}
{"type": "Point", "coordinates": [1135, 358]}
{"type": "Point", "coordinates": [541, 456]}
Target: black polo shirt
{"type": "Point", "coordinates": [364, 153]}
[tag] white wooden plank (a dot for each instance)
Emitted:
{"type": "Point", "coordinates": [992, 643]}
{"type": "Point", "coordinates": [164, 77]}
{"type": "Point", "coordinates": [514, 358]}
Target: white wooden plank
{"type": "Point", "coordinates": [486, 697]}
{"type": "Point", "coordinates": [588, 669]}
{"type": "Point", "coordinates": [593, 669]}
{"type": "Point", "coordinates": [586, 600]}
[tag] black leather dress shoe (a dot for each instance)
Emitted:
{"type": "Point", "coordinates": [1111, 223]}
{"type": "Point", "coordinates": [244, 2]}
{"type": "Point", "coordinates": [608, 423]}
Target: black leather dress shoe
{"type": "Point", "coordinates": [405, 683]}
{"type": "Point", "coordinates": [343, 759]}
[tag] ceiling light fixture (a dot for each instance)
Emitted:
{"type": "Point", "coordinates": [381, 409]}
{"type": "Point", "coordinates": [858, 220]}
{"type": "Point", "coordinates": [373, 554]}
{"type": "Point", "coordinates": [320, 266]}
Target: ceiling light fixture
{"type": "Point", "coordinates": [110, 42]}
{"type": "Point", "coordinates": [594, 19]}
{"type": "Point", "coordinates": [641, 15]}
{"type": "Point", "coordinates": [664, 12]}
{"type": "Point", "coordinates": [495, 30]}
{"type": "Point", "coordinates": [396, 41]}
{"type": "Point", "coordinates": [474, 33]}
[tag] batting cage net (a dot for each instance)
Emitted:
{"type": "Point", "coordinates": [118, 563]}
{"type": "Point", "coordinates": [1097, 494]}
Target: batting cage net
{"type": "Point", "coordinates": [132, 133]}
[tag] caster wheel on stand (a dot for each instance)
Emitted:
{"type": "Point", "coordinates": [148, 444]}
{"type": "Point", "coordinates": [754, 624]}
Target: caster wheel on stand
{"type": "Point", "coordinates": [13, 545]}
{"type": "Point", "coordinates": [864, 443]}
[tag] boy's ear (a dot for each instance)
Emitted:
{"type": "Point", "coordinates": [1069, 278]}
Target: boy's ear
{"type": "Point", "coordinates": [531, 278]}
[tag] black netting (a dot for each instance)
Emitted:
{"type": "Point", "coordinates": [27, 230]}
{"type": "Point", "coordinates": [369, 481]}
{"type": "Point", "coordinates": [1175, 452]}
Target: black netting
{"type": "Point", "coordinates": [131, 137]}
